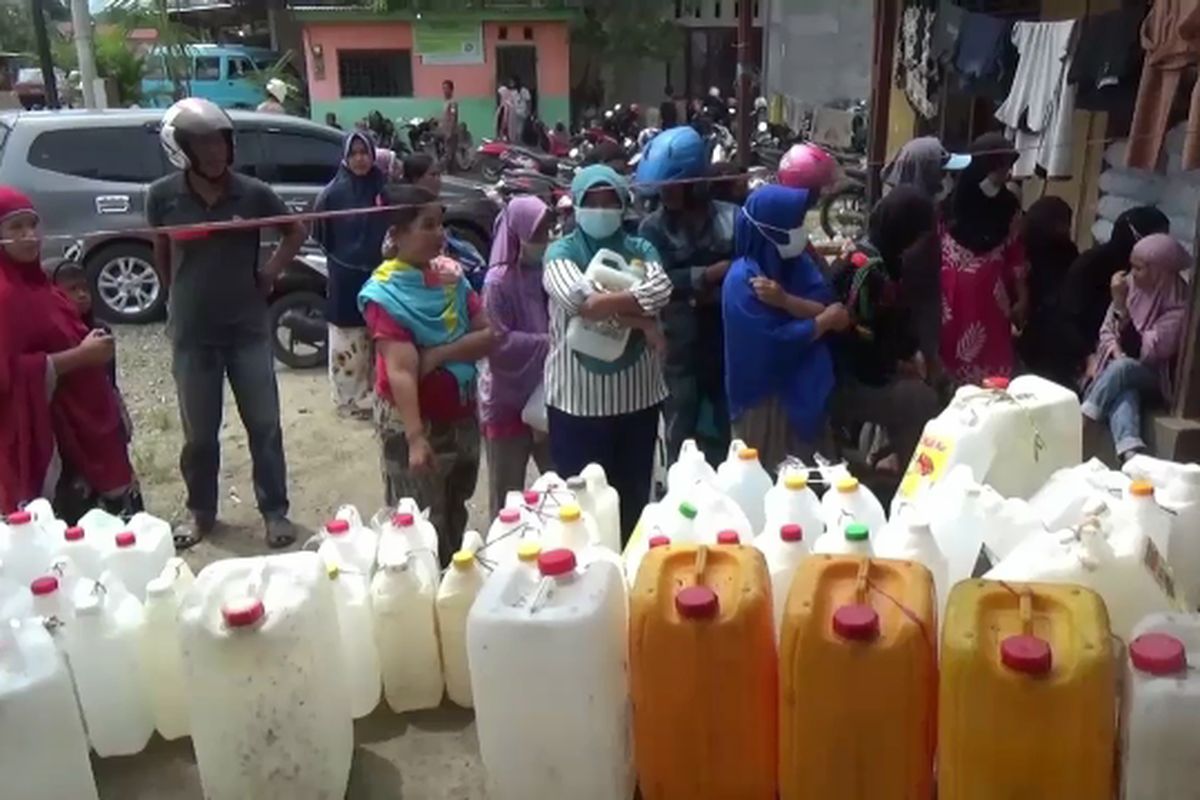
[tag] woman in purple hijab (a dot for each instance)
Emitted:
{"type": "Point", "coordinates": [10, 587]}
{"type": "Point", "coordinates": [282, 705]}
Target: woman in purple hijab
{"type": "Point", "coordinates": [515, 304]}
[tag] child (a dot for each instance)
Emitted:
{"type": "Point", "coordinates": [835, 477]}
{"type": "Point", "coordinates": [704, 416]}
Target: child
{"type": "Point", "coordinates": [72, 281]}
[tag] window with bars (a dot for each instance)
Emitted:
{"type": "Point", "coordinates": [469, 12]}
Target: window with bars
{"type": "Point", "coordinates": [375, 73]}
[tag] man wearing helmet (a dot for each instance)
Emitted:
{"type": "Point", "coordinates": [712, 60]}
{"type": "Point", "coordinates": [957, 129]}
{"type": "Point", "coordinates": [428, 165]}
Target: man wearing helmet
{"type": "Point", "coordinates": [217, 312]}
{"type": "Point", "coordinates": [694, 237]}
{"type": "Point", "coordinates": [277, 91]}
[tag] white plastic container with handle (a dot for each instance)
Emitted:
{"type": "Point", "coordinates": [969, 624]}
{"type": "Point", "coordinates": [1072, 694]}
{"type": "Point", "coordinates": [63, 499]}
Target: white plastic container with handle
{"type": "Point", "coordinates": [43, 747]}
{"type": "Point", "coordinates": [162, 658]}
{"type": "Point", "coordinates": [1160, 705]}
{"type": "Point", "coordinates": [550, 681]}
{"type": "Point", "coordinates": [103, 645]}
{"type": "Point", "coordinates": [140, 553]}
{"type": "Point", "coordinates": [269, 709]}
{"type": "Point", "coordinates": [360, 656]}
{"type": "Point", "coordinates": [24, 547]}
{"type": "Point", "coordinates": [605, 505]}
{"type": "Point", "coordinates": [742, 477]}
{"type": "Point", "coordinates": [457, 593]}
{"type": "Point", "coordinates": [910, 538]}
{"type": "Point", "coordinates": [690, 468]}
{"type": "Point", "coordinates": [791, 502]}
{"type": "Point", "coordinates": [355, 544]}
{"type": "Point", "coordinates": [784, 551]}
{"type": "Point", "coordinates": [405, 531]}
{"type": "Point", "coordinates": [604, 339]}
{"type": "Point", "coordinates": [1176, 489]}
{"type": "Point", "coordinates": [850, 501]}
{"type": "Point", "coordinates": [403, 594]}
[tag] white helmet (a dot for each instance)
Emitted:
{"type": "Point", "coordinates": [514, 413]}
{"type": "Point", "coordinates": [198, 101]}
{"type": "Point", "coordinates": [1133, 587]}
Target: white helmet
{"type": "Point", "coordinates": [191, 117]}
{"type": "Point", "coordinates": [277, 89]}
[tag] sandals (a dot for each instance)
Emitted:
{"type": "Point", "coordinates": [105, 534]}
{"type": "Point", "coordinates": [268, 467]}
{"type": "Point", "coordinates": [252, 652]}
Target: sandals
{"type": "Point", "coordinates": [191, 533]}
{"type": "Point", "coordinates": [281, 533]}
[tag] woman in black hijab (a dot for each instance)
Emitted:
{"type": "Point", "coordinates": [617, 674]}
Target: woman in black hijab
{"type": "Point", "coordinates": [1048, 344]}
{"type": "Point", "coordinates": [982, 274]}
{"type": "Point", "coordinates": [1087, 287]}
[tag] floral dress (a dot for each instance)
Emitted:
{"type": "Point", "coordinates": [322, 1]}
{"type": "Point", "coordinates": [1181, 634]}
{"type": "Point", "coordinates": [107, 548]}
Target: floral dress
{"type": "Point", "coordinates": [978, 291]}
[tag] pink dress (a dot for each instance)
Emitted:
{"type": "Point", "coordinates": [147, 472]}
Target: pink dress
{"type": "Point", "coordinates": [978, 291]}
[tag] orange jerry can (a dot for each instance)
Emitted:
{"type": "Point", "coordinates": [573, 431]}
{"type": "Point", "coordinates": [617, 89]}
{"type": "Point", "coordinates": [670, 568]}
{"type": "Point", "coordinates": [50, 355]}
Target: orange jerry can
{"type": "Point", "coordinates": [858, 681]}
{"type": "Point", "coordinates": [702, 666]}
{"type": "Point", "coordinates": [1028, 695]}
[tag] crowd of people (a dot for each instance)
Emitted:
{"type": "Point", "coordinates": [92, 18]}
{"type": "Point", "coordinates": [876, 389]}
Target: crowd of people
{"type": "Point", "coordinates": [735, 325]}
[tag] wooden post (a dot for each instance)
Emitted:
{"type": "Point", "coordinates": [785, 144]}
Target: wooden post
{"type": "Point", "coordinates": [49, 83]}
{"type": "Point", "coordinates": [1187, 393]}
{"type": "Point", "coordinates": [745, 67]}
{"type": "Point", "coordinates": [882, 64]}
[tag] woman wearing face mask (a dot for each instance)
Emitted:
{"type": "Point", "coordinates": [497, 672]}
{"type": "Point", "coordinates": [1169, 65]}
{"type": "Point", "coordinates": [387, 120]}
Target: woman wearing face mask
{"type": "Point", "coordinates": [982, 276]}
{"type": "Point", "coordinates": [60, 420]}
{"type": "Point", "coordinates": [516, 310]}
{"type": "Point", "coordinates": [777, 309]}
{"type": "Point", "coordinates": [605, 411]}
{"type": "Point", "coordinates": [429, 330]}
{"type": "Point", "coordinates": [351, 244]}
{"type": "Point", "coordinates": [422, 169]}
{"type": "Point", "coordinates": [694, 236]}
{"type": "Point", "coordinates": [1139, 340]}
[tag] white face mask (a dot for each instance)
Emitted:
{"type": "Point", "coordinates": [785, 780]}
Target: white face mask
{"type": "Point", "coordinates": [599, 223]}
{"type": "Point", "coordinates": [796, 243]}
{"type": "Point", "coordinates": [990, 187]}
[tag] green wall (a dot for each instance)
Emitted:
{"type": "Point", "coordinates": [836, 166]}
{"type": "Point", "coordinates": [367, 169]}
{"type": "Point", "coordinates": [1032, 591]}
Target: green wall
{"type": "Point", "coordinates": [479, 113]}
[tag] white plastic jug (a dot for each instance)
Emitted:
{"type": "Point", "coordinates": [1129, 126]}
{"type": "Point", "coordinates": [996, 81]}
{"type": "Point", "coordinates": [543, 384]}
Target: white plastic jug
{"type": "Point", "coordinates": [850, 501]}
{"type": "Point", "coordinates": [269, 710]}
{"type": "Point", "coordinates": [1060, 503]}
{"type": "Point", "coordinates": [852, 540]}
{"type": "Point", "coordinates": [1177, 489]}
{"type": "Point", "coordinates": [455, 596]}
{"type": "Point", "coordinates": [791, 502]}
{"type": "Point", "coordinates": [511, 528]}
{"type": "Point", "coordinates": [102, 525]}
{"type": "Point", "coordinates": [634, 557]}
{"type": "Point", "coordinates": [407, 532]}
{"type": "Point", "coordinates": [910, 538]}
{"type": "Point", "coordinates": [24, 547]}
{"type": "Point", "coordinates": [354, 544]}
{"type": "Point", "coordinates": [548, 482]}
{"type": "Point", "coordinates": [690, 468]}
{"type": "Point", "coordinates": [16, 601]}
{"type": "Point", "coordinates": [743, 478]}
{"type": "Point", "coordinates": [1160, 705]}
{"type": "Point", "coordinates": [140, 553]}
{"type": "Point", "coordinates": [162, 657]}
{"type": "Point", "coordinates": [403, 593]}
{"type": "Point", "coordinates": [604, 339]}
{"type": "Point", "coordinates": [43, 748]}
{"type": "Point", "coordinates": [574, 531]}
{"type": "Point", "coordinates": [677, 523]}
{"type": "Point", "coordinates": [103, 646]}
{"type": "Point", "coordinates": [86, 552]}
{"type": "Point", "coordinates": [550, 681]}
{"type": "Point", "coordinates": [1122, 565]}
{"type": "Point", "coordinates": [784, 550]}
{"type": "Point", "coordinates": [604, 504]}
{"type": "Point", "coordinates": [360, 656]}
{"type": "Point", "coordinates": [1013, 435]}
{"type": "Point", "coordinates": [43, 515]}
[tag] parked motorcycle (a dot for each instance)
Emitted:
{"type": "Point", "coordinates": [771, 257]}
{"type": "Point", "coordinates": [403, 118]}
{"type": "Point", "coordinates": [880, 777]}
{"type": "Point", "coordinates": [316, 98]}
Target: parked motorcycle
{"type": "Point", "coordinates": [296, 313]}
{"type": "Point", "coordinates": [844, 209]}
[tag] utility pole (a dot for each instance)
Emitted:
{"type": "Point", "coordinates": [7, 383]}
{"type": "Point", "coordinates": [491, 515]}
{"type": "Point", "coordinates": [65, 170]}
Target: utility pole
{"type": "Point", "coordinates": [81, 21]}
{"type": "Point", "coordinates": [745, 103]}
{"type": "Point", "coordinates": [49, 84]}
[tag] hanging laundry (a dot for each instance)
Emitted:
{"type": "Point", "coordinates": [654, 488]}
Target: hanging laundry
{"type": "Point", "coordinates": [985, 55]}
{"type": "Point", "coordinates": [1108, 60]}
{"type": "Point", "coordinates": [1041, 103]}
{"type": "Point", "coordinates": [1171, 39]}
{"type": "Point", "coordinates": [917, 73]}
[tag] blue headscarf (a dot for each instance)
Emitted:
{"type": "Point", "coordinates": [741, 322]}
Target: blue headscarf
{"type": "Point", "coordinates": [580, 249]}
{"type": "Point", "coordinates": [352, 241]}
{"type": "Point", "coordinates": [767, 351]}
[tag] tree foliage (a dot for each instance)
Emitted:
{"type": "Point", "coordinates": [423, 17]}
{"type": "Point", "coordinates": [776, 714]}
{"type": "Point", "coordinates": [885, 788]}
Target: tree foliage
{"type": "Point", "coordinates": [16, 23]}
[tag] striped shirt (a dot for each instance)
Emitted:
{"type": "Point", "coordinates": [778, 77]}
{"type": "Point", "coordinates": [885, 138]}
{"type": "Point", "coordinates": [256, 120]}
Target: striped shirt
{"type": "Point", "coordinates": [570, 386]}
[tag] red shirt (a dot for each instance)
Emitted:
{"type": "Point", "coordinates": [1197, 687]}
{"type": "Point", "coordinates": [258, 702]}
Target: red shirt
{"type": "Point", "coordinates": [437, 393]}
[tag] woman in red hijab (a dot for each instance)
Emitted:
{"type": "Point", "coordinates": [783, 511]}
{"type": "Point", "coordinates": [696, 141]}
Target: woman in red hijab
{"type": "Point", "coordinates": [60, 422]}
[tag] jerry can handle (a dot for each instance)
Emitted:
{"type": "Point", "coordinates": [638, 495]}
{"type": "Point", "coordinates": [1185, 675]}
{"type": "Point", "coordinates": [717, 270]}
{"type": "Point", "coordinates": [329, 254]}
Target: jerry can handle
{"type": "Point", "coordinates": [1025, 611]}
{"type": "Point", "coordinates": [862, 581]}
{"type": "Point", "coordinates": [699, 565]}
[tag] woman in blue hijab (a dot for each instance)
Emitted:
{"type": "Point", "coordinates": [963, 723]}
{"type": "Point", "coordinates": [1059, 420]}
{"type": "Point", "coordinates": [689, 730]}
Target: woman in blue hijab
{"type": "Point", "coordinates": [352, 244]}
{"type": "Point", "coordinates": [777, 309]}
{"type": "Point", "coordinates": [605, 411]}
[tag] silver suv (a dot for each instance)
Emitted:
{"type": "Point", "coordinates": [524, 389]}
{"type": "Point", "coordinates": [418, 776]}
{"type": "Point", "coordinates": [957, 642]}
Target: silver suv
{"type": "Point", "coordinates": [87, 173]}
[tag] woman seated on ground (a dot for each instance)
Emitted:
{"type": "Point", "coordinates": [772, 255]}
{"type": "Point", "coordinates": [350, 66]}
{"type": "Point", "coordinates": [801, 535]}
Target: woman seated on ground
{"type": "Point", "coordinates": [61, 433]}
{"type": "Point", "coordinates": [1139, 341]}
{"type": "Point", "coordinates": [422, 169]}
{"type": "Point", "coordinates": [881, 372]}
{"type": "Point", "coordinates": [983, 282]}
{"type": "Point", "coordinates": [605, 411]}
{"type": "Point", "coordinates": [1048, 344]}
{"type": "Point", "coordinates": [777, 310]}
{"type": "Point", "coordinates": [429, 330]}
{"type": "Point", "coordinates": [516, 310]}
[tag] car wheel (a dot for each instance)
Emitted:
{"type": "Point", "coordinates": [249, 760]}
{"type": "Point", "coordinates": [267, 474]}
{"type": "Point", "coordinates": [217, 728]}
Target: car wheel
{"type": "Point", "coordinates": [297, 325]}
{"type": "Point", "coordinates": [126, 286]}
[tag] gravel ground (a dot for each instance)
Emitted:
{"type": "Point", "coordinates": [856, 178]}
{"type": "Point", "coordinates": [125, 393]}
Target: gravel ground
{"type": "Point", "coordinates": [431, 755]}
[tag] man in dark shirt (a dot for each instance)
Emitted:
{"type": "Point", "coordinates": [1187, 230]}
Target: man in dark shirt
{"type": "Point", "coordinates": [218, 312]}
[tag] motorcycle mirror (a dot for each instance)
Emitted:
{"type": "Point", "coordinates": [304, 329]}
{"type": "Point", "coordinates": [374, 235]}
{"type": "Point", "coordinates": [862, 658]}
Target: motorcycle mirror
{"type": "Point", "coordinates": [763, 127]}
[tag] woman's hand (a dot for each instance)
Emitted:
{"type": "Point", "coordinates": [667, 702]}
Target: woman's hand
{"type": "Point", "coordinates": [1119, 285]}
{"type": "Point", "coordinates": [98, 348]}
{"type": "Point", "coordinates": [420, 454]}
{"type": "Point", "coordinates": [835, 318]}
{"type": "Point", "coordinates": [714, 274]}
{"type": "Point", "coordinates": [769, 292]}
{"type": "Point", "coordinates": [431, 359]}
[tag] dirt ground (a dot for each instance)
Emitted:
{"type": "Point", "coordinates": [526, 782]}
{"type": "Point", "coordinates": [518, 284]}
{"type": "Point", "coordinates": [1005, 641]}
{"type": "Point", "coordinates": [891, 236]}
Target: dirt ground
{"type": "Point", "coordinates": [424, 756]}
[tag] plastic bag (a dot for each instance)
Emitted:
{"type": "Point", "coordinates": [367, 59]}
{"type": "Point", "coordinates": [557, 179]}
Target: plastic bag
{"type": "Point", "coordinates": [534, 412]}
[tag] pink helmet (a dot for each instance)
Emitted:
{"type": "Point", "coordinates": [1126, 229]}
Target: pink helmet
{"type": "Point", "coordinates": [807, 166]}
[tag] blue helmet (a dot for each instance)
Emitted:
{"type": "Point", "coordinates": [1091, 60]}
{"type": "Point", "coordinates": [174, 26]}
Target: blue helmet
{"type": "Point", "coordinates": [675, 154]}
